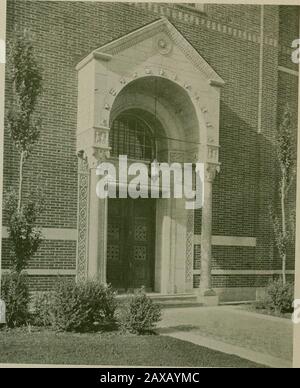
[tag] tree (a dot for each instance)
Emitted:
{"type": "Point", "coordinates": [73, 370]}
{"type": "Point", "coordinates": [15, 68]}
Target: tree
{"type": "Point", "coordinates": [24, 127]}
{"type": "Point", "coordinates": [284, 222]}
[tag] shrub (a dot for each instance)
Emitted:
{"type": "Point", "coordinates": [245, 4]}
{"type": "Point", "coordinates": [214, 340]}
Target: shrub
{"type": "Point", "coordinates": [279, 297]}
{"type": "Point", "coordinates": [139, 315]}
{"type": "Point", "coordinates": [83, 306]}
{"type": "Point", "coordinates": [25, 237]}
{"type": "Point", "coordinates": [43, 307]}
{"type": "Point", "coordinates": [14, 292]}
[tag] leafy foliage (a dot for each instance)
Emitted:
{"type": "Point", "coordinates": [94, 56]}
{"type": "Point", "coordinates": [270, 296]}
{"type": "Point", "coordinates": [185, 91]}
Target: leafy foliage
{"type": "Point", "coordinates": [281, 238]}
{"type": "Point", "coordinates": [24, 235]}
{"type": "Point", "coordinates": [80, 307]}
{"type": "Point", "coordinates": [140, 314]}
{"type": "Point", "coordinates": [285, 143]}
{"type": "Point", "coordinates": [284, 220]}
{"type": "Point", "coordinates": [14, 291]}
{"type": "Point", "coordinates": [43, 307]}
{"type": "Point", "coordinates": [26, 77]}
{"type": "Point", "coordinates": [279, 297]}
{"type": "Point", "coordinates": [24, 128]}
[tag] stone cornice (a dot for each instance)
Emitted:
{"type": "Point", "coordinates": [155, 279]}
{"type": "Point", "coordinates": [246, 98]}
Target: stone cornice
{"type": "Point", "coordinates": [94, 54]}
{"type": "Point", "coordinates": [162, 25]}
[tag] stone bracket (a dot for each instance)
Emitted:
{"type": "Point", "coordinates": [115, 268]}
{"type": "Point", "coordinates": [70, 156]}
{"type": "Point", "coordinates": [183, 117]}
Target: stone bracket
{"type": "Point", "coordinates": [93, 145]}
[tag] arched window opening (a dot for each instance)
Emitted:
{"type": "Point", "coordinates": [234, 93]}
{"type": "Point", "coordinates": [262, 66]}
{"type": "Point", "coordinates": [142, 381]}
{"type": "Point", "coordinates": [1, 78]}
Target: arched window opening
{"type": "Point", "coordinates": [133, 137]}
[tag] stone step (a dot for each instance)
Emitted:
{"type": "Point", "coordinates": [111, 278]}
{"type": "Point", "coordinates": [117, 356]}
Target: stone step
{"type": "Point", "coordinates": [168, 301]}
{"type": "Point", "coordinates": [176, 300]}
{"type": "Point", "coordinates": [179, 304]}
{"type": "Point", "coordinates": [172, 297]}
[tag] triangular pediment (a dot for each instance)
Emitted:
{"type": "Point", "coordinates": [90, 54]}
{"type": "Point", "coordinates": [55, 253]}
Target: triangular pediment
{"type": "Point", "coordinates": [157, 27]}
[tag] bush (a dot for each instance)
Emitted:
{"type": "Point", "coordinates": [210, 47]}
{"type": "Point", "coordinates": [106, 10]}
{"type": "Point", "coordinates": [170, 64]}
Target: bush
{"type": "Point", "coordinates": [14, 292]}
{"type": "Point", "coordinates": [82, 306]}
{"type": "Point", "coordinates": [279, 297]}
{"type": "Point", "coordinates": [139, 315]}
{"type": "Point", "coordinates": [25, 238]}
{"type": "Point", "coordinates": [43, 306]}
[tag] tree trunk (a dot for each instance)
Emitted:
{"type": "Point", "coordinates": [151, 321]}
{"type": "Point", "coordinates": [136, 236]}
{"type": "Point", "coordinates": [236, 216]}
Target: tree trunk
{"type": "Point", "coordinates": [20, 181]}
{"type": "Point", "coordinates": [283, 220]}
{"type": "Point", "coordinates": [284, 269]}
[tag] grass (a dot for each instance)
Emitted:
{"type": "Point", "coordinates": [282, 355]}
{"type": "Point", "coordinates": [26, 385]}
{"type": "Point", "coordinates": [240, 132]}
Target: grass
{"type": "Point", "coordinates": [253, 307]}
{"type": "Point", "coordinates": [47, 347]}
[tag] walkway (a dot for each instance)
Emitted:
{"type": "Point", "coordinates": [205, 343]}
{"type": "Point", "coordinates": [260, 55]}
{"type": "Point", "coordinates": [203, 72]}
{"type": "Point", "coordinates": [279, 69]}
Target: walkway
{"type": "Point", "coordinates": [263, 339]}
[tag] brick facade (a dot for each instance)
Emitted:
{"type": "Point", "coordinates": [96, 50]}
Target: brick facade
{"type": "Point", "coordinates": [228, 37]}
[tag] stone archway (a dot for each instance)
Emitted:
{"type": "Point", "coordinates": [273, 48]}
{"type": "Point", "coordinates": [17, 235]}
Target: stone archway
{"type": "Point", "coordinates": [116, 77]}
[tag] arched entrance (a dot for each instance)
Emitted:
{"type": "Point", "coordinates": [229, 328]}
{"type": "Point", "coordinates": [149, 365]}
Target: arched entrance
{"type": "Point", "coordinates": [154, 74]}
{"type": "Point", "coordinates": [164, 126]}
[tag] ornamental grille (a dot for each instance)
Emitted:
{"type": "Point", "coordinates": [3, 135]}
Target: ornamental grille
{"type": "Point", "coordinates": [133, 137]}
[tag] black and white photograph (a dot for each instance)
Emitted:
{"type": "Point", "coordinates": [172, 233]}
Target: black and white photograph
{"type": "Point", "coordinates": [148, 185]}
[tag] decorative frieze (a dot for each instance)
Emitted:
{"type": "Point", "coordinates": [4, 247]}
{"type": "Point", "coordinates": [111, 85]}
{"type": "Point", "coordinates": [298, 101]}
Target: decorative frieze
{"type": "Point", "coordinates": [189, 249]}
{"type": "Point", "coordinates": [190, 17]}
{"type": "Point", "coordinates": [83, 195]}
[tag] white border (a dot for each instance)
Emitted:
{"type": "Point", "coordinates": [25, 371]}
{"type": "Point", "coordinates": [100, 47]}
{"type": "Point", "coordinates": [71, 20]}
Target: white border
{"type": "Point", "coordinates": [2, 89]}
{"type": "Point", "coordinates": [296, 356]}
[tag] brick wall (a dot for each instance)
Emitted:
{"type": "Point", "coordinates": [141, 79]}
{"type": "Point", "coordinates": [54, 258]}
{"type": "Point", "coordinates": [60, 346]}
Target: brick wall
{"type": "Point", "coordinates": [45, 283]}
{"type": "Point", "coordinates": [52, 254]}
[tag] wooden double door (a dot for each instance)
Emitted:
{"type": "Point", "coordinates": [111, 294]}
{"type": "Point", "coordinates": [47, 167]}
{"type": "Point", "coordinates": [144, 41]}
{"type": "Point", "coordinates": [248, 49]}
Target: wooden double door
{"type": "Point", "coordinates": [131, 243]}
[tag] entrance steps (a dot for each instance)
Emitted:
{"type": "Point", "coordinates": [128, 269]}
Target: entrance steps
{"type": "Point", "coordinates": [169, 300]}
{"type": "Point", "coordinates": [175, 300]}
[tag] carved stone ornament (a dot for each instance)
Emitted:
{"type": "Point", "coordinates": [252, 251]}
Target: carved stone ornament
{"type": "Point", "coordinates": [212, 153]}
{"type": "Point", "coordinates": [211, 169]}
{"type": "Point", "coordinates": [101, 138]}
{"type": "Point", "coordinates": [94, 155]}
{"type": "Point", "coordinates": [163, 44]}
{"type": "Point", "coordinates": [99, 155]}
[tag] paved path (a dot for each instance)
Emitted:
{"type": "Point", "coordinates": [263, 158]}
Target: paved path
{"type": "Point", "coordinates": [263, 339]}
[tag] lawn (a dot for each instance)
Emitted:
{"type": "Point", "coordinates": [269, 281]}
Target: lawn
{"type": "Point", "coordinates": [253, 308]}
{"type": "Point", "coordinates": [47, 347]}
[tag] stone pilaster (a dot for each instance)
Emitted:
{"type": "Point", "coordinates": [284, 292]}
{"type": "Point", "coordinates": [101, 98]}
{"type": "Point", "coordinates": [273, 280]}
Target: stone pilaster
{"type": "Point", "coordinates": [206, 236]}
{"type": "Point", "coordinates": [92, 222]}
{"type": "Point", "coordinates": [83, 214]}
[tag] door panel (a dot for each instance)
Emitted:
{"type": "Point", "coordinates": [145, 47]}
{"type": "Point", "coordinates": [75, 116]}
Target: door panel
{"type": "Point", "coordinates": [115, 238]}
{"type": "Point", "coordinates": [130, 243]}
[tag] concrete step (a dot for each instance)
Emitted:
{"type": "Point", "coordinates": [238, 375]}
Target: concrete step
{"type": "Point", "coordinates": [170, 297]}
{"type": "Point", "coordinates": [176, 300]}
{"type": "Point", "coordinates": [168, 301]}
